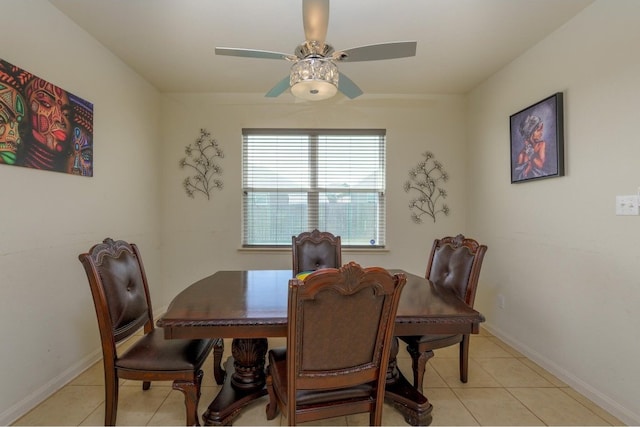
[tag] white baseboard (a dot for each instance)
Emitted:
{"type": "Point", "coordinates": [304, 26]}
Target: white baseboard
{"type": "Point", "coordinates": [626, 415]}
{"type": "Point", "coordinates": [22, 407]}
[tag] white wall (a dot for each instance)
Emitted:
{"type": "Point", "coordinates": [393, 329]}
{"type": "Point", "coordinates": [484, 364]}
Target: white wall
{"type": "Point", "coordinates": [202, 236]}
{"type": "Point", "coordinates": [565, 263]}
{"type": "Point", "coordinates": [49, 329]}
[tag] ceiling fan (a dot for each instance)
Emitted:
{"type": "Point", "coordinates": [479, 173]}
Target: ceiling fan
{"type": "Point", "coordinates": [314, 74]}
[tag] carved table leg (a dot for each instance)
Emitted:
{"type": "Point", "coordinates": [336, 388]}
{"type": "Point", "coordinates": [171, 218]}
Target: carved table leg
{"type": "Point", "coordinates": [244, 382]}
{"type": "Point", "coordinates": [412, 404]}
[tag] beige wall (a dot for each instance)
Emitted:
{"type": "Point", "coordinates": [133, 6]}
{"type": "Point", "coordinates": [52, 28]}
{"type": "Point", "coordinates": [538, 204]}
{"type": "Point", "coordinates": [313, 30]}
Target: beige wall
{"type": "Point", "coordinates": [565, 263]}
{"type": "Point", "coordinates": [200, 237]}
{"type": "Point", "coordinates": [49, 329]}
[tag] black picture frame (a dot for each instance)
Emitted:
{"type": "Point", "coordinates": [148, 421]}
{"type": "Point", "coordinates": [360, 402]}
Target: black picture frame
{"type": "Point", "coordinates": [537, 141]}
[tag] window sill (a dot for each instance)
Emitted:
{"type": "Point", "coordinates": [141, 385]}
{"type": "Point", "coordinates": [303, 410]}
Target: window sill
{"type": "Point", "coordinates": [288, 250]}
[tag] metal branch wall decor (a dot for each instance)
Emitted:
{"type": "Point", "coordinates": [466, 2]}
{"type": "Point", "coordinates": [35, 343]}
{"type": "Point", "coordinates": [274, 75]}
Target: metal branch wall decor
{"type": "Point", "coordinates": [426, 179]}
{"type": "Point", "coordinates": [200, 159]}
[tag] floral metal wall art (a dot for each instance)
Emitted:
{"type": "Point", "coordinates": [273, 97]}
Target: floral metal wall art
{"type": "Point", "coordinates": [426, 179]}
{"type": "Point", "coordinates": [201, 156]}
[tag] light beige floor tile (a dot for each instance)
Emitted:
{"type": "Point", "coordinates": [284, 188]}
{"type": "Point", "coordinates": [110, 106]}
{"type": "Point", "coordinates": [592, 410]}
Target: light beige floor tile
{"type": "Point", "coordinates": [402, 350]}
{"type": "Point", "coordinates": [496, 407]}
{"type": "Point", "coordinates": [275, 342]}
{"type": "Point", "coordinates": [506, 347]}
{"type": "Point", "coordinates": [206, 397]}
{"type": "Point", "coordinates": [135, 406]}
{"type": "Point", "coordinates": [96, 418]}
{"type": "Point", "coordinates": [484, 333]}
{"type": "Point", "coordinates": [482, 400]}
{"type": "Point", "coordinates": [449, 370]}
{"type": "Point", "coordinates": [555, 407]}
{"type": "Point", "coordinates": [390, 417]}
{"type": "Point", "coordinates": [172, 411]}
{"type": "Point", "coordinates": [448, 410]}
{"type": "Point", "coordinates": [485, 347]}
{"type": "Point", "coordinates": [593, 407]}
{"type": "Point", "coordinates": [67, 407]}
{"type": "Point", "coordinates": [512, 372]}
{"type": "Point", "coordinates": [451, 352]}
{"type": "Point", "coordinates": [92, 376]}
{"type": "Point", "coordinates": [548, 376]}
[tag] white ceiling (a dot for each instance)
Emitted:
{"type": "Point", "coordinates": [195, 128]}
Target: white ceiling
{"type": "Point", "coordinates": [460, 42]}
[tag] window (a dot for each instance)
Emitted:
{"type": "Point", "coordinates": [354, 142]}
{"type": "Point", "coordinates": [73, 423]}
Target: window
{"type": "Point", "coordinates": [298, 180]}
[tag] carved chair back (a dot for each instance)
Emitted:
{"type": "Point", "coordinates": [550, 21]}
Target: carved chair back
{"type": "Point", "coordinates": [312, 250]}
{"type": "Point", "coordinates": [455, 262]}
{"type": "Point", "coordinates": [122, 303]}
{"type": "Point", "coordinates": [336, 364]}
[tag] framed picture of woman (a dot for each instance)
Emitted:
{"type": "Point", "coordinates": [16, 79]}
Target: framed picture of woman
{"type": "Point", "coordinates": [537, 141]}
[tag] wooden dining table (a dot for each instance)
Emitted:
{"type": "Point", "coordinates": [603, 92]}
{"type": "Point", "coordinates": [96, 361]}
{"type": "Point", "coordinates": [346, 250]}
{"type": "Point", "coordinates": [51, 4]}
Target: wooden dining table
{"type": "Point", "coordinates": [250, 306]}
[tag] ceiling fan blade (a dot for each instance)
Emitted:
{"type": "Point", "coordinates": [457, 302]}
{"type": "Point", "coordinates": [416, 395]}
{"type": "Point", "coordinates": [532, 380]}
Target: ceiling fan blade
{"type": "Point", "coordinates": [315, 18]}
{"type": "Point", "coordinates": [376, 52]}
{"type": "Point", "coordinates": [348, 87]}
{"type": "Point", "coordinates": [280, 87]}
{"type": "Point", "coordinates": [252, 53]}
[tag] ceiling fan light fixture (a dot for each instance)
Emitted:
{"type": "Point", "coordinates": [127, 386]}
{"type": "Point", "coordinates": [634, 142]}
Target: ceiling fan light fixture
{"type": "Point", "coordinates": [314, 79]}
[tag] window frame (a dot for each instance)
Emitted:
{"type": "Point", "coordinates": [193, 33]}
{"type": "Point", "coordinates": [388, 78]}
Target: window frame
{"type": "Point", "coordinates": [313, 195]}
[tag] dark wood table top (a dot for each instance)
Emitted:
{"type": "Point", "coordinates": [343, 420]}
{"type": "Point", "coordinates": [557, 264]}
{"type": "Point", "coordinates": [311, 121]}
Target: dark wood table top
{"type": "Point", "coordinates": [253, 304]}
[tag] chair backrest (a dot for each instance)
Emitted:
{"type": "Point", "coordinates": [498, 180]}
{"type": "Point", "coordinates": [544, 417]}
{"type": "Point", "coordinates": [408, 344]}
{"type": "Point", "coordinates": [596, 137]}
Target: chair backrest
{"type": "Point", "coordinates": [341, 324]}
{"type": "Point", "coordinates": [315, 249]}
{"type": "Point", "coordinates": [120, 292]}
{"type": "Point", "coordinates": [455, 263]}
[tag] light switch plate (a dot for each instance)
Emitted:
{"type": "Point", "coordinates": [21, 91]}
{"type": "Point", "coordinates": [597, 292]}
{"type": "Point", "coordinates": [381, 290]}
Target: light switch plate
{"type": "Point", "coordinates": [627, 205]}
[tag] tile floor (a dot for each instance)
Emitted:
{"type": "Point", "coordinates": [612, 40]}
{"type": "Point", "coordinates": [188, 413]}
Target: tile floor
{"type": "Point", "coordinates": [504, 388]}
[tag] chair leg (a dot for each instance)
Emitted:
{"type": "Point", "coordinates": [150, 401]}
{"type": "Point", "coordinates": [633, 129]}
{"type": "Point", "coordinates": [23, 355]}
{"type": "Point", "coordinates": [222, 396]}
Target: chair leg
{"type": "Point", "coordinates": [464, 358]}
{"type": "Point", "coordinates": [146, 385]}
{"type": "Point", "coordinates": [375, 414]}
{"type": "Point", "coordinates": [372, 418]}
{"type": "Point", "coordinates": [218, 373]}
{"type": "Point", "coordinates": [191, 390]}
{"type": "Point", "coordinates": [111, 398]}
{"type": "Point", "coordinates": [272, 406]}
{"type": "Point", "coordinates": [418, 363]}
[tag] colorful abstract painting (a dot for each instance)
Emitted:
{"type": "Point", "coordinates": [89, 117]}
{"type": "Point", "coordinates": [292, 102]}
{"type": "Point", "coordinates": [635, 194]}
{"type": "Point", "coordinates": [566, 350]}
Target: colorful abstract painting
{"type": "Point", "coordinates": [43, 126]}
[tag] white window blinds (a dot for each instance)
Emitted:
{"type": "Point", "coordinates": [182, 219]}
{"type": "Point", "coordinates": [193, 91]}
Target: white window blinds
{"type": "Point", "coordinates": [298, 180]}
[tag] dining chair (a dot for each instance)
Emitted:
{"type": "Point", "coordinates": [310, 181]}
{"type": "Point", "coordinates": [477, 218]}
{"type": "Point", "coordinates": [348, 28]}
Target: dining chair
{"type": "Point", "coordinates": [121, 299]}
{"type": "Point", "coordinates": [315, 249]}
{"type": "Point", "coordinates": [454, 263]}
{"type": "Point", "coordinates": [335, 364]}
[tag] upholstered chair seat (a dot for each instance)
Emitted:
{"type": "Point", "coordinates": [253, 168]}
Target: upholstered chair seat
{"type": "Point", "coordinates": [153, 352]}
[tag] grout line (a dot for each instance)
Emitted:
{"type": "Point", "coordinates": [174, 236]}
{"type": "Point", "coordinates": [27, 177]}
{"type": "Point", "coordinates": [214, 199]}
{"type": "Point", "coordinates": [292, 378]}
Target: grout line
{"type": "Point", "coordinates": [525, 405]}
{"type": "Point", "coordinates": [466, 407]}
{"type": "Point", "coordinates": [582, 404]}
